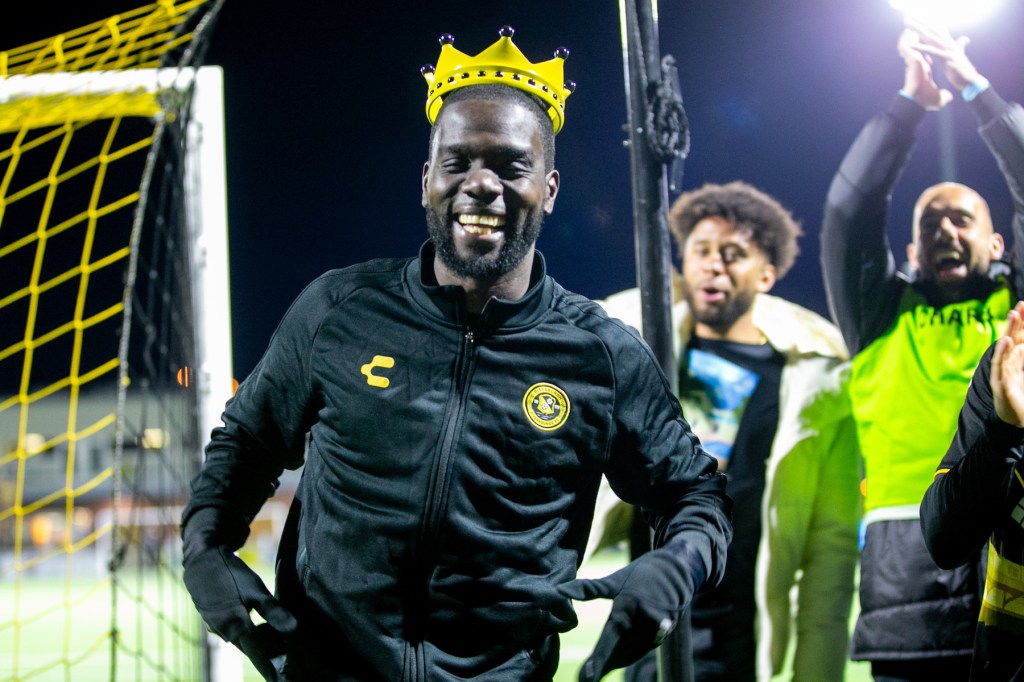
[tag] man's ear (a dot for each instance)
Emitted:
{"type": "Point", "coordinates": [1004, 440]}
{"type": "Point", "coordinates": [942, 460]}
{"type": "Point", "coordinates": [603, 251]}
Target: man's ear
{"type": "Point", "coordinates": [769, 275]}
{"type": "Point", "coordinates": [551, 183]}
{"type": "Point", "coordinates": [912, 255]}
{"type": "Point", "coordinates": [423, 184]}
{"type": "Point", "coordinates": [997, 246]}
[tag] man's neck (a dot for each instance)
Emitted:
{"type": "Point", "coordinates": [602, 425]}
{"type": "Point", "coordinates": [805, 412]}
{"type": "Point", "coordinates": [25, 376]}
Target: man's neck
{"type": "Point", "coordinates": [977, 289]}
{"type": "Point", "coordinates": [511, 286]}
{"type": "Point", "coordinates": [741, 330]}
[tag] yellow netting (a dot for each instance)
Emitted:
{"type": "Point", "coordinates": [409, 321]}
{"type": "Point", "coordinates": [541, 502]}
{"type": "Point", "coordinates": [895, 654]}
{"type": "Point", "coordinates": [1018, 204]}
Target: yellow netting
{"type": "Point", "coordinates": [95, 443]}
{"type": "Point", "coordinates": [136, 39]}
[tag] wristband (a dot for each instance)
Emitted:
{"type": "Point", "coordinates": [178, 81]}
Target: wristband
{"type": "Point", "coordinates": [974, 88]}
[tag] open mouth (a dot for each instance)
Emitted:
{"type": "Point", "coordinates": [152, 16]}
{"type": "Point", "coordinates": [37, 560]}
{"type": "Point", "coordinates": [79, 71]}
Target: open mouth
{"type": "Point", "coordinates": [950, 264]}
{"type": "Point", "coordinates": [480, 225]}
{"type": "Point", "coordinates": [712, 294]}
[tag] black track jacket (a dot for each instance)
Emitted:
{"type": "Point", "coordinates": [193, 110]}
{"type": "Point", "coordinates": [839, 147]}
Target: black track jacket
{"type": "Point", "coordinates": [451, 469]}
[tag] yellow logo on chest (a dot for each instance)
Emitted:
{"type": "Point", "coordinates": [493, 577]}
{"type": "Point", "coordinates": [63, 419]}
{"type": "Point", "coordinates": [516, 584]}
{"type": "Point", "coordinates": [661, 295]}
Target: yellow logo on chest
{"type": "Point", "coordinates": [381, 361]}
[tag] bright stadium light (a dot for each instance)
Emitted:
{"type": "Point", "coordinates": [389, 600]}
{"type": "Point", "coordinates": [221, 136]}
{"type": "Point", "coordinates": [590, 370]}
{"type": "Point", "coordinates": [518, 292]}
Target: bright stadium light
{"type": "Point", "coordinates": [954, 14]}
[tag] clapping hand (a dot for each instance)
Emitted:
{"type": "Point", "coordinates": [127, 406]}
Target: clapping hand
{"type": "Point", "coordinates": [1007, 376]}
{"type": "Point", "coordinates": [937, 42]}
{"type": "Point", "coordinates": [918, 79]}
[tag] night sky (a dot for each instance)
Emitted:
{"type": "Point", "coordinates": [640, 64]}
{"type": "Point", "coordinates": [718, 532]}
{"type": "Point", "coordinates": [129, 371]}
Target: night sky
{"type": "Point", "coordinates": [326, 135]}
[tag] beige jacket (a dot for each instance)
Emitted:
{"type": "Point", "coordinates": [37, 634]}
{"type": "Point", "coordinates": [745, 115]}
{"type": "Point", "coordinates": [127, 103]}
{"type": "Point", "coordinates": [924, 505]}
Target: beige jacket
{"type": "Point", "coordinates": [811, 504]}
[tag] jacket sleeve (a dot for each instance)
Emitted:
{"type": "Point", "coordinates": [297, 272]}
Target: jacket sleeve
{"type": "Point", "coordinates": [861, 281]}
{"type": "Point", "coordinates": [1001, 126]}
{"type": "Point", "coordinates": [829, 561]}
{"type": "Point", "coordinates": [810, 518]}
{"type": "Point", "coordinates": [656, 462]}
{"type": "Point", "coordinates": [263, 432]}
{"type": "Point", "coordinates": [969, 495]}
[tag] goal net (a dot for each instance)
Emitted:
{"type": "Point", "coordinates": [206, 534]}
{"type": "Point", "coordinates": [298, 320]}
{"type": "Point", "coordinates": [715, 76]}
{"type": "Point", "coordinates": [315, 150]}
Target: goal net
{"type": "Point", "coordinates": [114, 271]}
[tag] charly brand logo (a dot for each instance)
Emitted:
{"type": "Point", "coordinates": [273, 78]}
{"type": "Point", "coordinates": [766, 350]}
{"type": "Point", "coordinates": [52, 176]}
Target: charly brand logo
{"type": "Point", "coordinates": [546, 406]}
{"type": "Point", "coordinates": [381, 361]}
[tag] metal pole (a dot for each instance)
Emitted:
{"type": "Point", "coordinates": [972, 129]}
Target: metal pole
{"type": "Point", "coordinates": [641, 61]}
{"type": "Point", "coordinates": [642, 68]}
{"type": "Point", "coordinates": [947, 145]}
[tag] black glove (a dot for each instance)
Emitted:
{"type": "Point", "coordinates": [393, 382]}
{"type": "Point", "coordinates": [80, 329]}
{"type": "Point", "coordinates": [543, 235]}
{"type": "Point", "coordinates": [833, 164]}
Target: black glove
{"type": "Point", "coordinates": [224, 590]}
{"type": "Point", "coordinates": [650, 593]}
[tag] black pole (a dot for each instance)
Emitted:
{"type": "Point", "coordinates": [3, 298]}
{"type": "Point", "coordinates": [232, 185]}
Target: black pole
{"type": "Point", "coordinates": [644, 68]}
{"type": "Point", "coordinates": [650, 189]}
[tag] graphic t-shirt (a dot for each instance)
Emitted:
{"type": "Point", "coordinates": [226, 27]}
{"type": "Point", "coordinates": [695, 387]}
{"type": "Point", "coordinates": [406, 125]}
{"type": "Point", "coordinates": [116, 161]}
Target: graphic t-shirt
{"type": "Point", "coordinates": [729, 394]}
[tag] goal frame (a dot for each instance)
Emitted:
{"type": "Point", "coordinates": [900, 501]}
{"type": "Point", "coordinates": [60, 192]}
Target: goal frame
{"type": "Point", "coordinates": [205, 192]}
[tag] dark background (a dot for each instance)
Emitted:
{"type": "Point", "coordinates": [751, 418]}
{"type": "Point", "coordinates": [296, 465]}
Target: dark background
{"type": "Point", "coordinates": [326, 134]}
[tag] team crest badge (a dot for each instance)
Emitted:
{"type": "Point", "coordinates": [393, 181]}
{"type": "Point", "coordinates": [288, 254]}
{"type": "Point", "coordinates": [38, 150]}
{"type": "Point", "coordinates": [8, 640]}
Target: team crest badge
{"type": "Point", "coordinates": [546, 406]}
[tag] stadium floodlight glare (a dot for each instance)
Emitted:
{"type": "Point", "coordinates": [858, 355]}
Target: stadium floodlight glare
{"type": "Point", "coordinates": [954, 14]}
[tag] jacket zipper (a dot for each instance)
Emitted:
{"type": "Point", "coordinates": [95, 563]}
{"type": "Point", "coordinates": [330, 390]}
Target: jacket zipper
{"type": "Point", "coordinates": [437, 495]}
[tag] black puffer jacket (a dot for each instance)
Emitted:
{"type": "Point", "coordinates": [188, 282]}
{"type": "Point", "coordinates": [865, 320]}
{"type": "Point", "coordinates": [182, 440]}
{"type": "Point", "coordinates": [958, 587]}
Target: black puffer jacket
{"type": "Point", "coordinates": [974, 507]}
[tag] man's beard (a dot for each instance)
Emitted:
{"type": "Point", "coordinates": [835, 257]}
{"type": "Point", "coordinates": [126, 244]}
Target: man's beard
{"type": "Point", "coordinates": [720, 317]}
{"type": "Point", "coordinates": [974, 285]}
{"type": "Point", "coordinates": [514, 249]}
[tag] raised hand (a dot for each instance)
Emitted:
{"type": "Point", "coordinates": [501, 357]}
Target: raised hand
{"type": "Point", "coordinates": [936, 41]}
{"type": "Point", "coordinates": [918, 80]}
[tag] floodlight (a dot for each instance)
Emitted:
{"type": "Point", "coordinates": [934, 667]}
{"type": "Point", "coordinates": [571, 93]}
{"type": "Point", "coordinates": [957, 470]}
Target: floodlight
{"type": "Point", "coordinates": [954, 14]}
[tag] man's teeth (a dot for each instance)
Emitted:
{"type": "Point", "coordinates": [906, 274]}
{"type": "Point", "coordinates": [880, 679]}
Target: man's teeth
{"type": "Point", "coordinates": [480, 225]}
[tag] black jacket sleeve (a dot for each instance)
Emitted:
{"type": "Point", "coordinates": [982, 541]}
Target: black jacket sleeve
{"type": "Point", "coordinates": [264, 431]}
{"type": "Point", "coordinates": [969, 496]}
{"type": "Point", "coordinates": [657, 463]}
{"type": "Point", "coordinates": [1001, 126]}
{"type": "Point", "coordinates": [861, 279]}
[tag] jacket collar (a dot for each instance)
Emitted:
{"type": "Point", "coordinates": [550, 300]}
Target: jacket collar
{"type": "Point", "coordinates": [447, 304]}
{"type": "Point", "coordinates": [789, 328]}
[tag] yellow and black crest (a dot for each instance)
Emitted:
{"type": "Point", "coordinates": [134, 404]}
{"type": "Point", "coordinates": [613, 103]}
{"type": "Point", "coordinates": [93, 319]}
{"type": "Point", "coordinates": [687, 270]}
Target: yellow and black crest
{"type": "Point", "coordinates": [546, 406]}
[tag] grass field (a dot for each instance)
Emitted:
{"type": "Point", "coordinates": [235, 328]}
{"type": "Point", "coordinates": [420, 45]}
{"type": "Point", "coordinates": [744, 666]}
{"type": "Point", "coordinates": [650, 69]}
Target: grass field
{"type": "Point", "coordinates": [42, 643]}
{"type": "Point", "coordinates": [56, 630]}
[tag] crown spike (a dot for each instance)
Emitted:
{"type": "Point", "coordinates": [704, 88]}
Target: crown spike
{"type": "Point", "coordinates": [502, 63]}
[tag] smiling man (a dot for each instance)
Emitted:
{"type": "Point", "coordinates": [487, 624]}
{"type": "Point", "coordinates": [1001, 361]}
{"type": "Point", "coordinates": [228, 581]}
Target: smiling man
{"type": "Point", "coordinates": [954, 243]}
{"type": "Point", "coordinates": [916, 341]}
{"type": "Point", "coordinates": [486, 192]}
{"type": "Point", "coordinates": [454, 413]}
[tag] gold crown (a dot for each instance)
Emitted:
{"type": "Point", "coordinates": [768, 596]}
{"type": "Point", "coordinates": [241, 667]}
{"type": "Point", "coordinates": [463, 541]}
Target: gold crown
{"type": "Point", "coordinates": [502, 63]}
